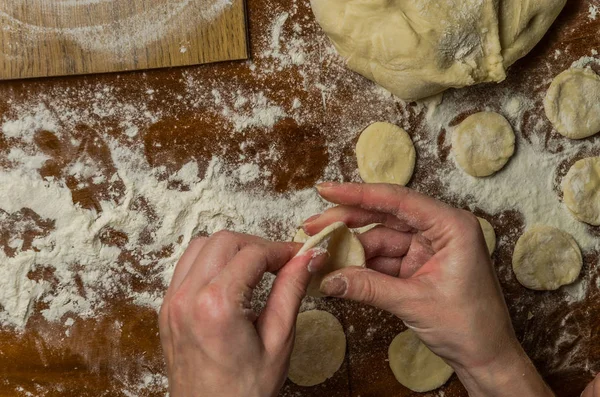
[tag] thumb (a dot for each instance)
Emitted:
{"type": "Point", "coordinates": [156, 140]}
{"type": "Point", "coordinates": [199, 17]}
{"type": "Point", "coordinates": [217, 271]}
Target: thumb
{"type": "Point", "coordinates": [370, 287]}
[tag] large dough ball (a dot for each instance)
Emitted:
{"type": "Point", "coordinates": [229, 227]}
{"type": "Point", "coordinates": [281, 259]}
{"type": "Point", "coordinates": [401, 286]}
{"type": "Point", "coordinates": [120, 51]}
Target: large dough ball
{"type": "Point", "coordinates": [414, 365]}
{"type": "Point", "coordinates": [385, 154]}
{"type": "Point", "coordinates": [546, 258]}
{"type": "Point", "coordinates": [319, 348]}
{"type": "Point", "coordinates": [344, 250]}
{"type": "Point", "coordinates": [418, 48]}
{"type": "Point", "coordinates": [581, 188]}
{"type": "Point", "coordinates": [572, 103]}
{"type": "Point", "coordinates": [483, 143]}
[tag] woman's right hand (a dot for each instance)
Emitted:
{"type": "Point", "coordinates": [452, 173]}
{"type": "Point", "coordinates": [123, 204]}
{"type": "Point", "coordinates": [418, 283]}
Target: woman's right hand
{"type": "Point", "coordinates": [428, 264]}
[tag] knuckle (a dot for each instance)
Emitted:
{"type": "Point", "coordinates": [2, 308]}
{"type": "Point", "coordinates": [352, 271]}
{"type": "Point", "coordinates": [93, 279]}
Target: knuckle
{"type": "Point", "coordinates": [211, 305]}
{"type": "Point", "coordinates": [175, 310]}
{"type": "Point", "coordinates": [368, 290]}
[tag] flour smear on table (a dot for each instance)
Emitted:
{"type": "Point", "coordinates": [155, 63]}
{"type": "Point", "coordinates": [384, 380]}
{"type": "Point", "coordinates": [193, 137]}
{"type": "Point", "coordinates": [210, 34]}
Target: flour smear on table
{"type": "Point", "coordinates": [107, 32]}
{"type": "Point", "coordinates": [159, 219]}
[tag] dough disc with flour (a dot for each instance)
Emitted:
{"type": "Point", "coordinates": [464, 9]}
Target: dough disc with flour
{"type": "Point", "coordinates": [319, 348]}
{"type": "Point", "coordinates": [385, 154]}
{"type": "Point", "coordinates": [415, 366]}
{"type": "Point", "coordinates": [581, 188]}
{"type": "Point", "coordinates": [489, 234]}
{"type": "Point", "coordinates": [572, 103]}
{"type": "Point", "coordinates": [344, 250]}
{"type": "Point", "coordinates": [483, 143]}
{"type": "Point", "coordinates": [546, 258]}
{"type": "Point", "coordinates": [417, 49]}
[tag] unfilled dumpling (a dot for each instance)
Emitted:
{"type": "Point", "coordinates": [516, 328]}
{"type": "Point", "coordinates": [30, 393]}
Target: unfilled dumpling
{"type": "Point", "coordinates": [385, 154]}
{"type": "Point", "coordinates": [546, 258]}
{"type": "Point", "coordinates": [319, 348]}
{"type": "Point", "coordinates": [581, 189]}
{"type": "Point", "coordinates": [483, 143]}
{"type": "Point", "coordinates": [414, 365]}
{"type": "Point", "coordinates": [572, 103]}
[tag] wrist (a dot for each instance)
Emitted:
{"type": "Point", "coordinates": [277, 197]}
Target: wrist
{"type": "Point", "coordinates": [510, 374]}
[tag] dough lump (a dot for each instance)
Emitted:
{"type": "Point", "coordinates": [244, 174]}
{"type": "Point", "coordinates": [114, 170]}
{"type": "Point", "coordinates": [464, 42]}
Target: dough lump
{"type": "Point", "coordinates": [483, 143]}
{"type": "Point", "coordinates": [319, 348]}
{"type": "Point", "coordinates": [572, 103]}
{"type": "Point", "coordinates": [489, 234]}
{"type": "Point", "coordinates": [344, 250]}
{"type": "Point", "coordinates": [385, 154]}
{"type": "Point", "coordinates": [546, 258]}
{"type": "Point", "coordinates": [581, 188]}
{"type": "Point", "coordinates": [415, 366]}
{"type": "Point", "coordinates": [417, 49]}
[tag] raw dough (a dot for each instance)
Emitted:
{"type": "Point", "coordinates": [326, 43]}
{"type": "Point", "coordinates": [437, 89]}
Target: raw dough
{"type": "Point", "coordinates": [483, 143]}
{"type": "Point", "coordinates": [489, 234]}
{"type": "Point", "coordinates": [319, 348]}
{"type": "Point", "coordinates": [414, 365]}
{"type": "Point", "coordinates": [572, 103]}
{"type": "Point", "coordinates": [344, 250]}
{"type": "Point", "coordinates": [385, 154]}
{"type": "Point", "coordinates": [301, 236]}
{"type": "Point", "coordinates": [546, 258]}
{"type": "Point", "coordinates": [581, 188]}
{"type": "Point", "coordinates": [417, 49]}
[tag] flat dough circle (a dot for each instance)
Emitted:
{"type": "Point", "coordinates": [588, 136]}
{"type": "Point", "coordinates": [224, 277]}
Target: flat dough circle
{"type": "Point", "coordinates": [572, 103]}
{"type": "Point", "coordinates": [581, 188]}
{"type": "Point", "coordinates": [546, 258]}
{"type": "Point", "coordinates": [385, 154]}
{"type": "Point", "coordinates": [415, 366]}
{"type": "Point", "coordinates": [489, 234]}
{"type": "Point", "coordinates": [483, 143]}
{"type": "Point", "coordinates": [344, 250]}
{"type": "Point", "coordinates": [319, 348]}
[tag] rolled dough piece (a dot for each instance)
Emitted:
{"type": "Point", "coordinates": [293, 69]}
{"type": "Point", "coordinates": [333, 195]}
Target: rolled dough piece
{"type": "Point", "coordinates": [385, 154]}
{"type": "Point", "coordinates": [581, 188]}
{"type": "Point", "coordinates": [489, 234]}
{"type": "Point", "coordinates": [572, 103]}
{"type": "Point", "coordinates": [417, 49]}
{"type": "Point", "coordinates": [319, 348]}
{"type": "Point", "coordinates": [344, 250]}
{"type": "Point", "coordinates": [483, 143]}
{"type": "Point", "coordinates": [301, 236]}
{"type": "Point", "coordinates": [546, 258]}
{"type": "Point", "coordinates": [414, 365]}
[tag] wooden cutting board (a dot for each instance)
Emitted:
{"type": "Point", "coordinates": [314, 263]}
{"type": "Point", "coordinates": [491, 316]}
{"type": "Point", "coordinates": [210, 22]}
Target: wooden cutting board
{"type": "Point", "coordinates": [40, 38]}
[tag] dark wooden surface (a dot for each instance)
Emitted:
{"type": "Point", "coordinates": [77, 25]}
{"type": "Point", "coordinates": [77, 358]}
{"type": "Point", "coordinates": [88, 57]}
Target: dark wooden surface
{"type": "Point", "coordinates": [100, 359]}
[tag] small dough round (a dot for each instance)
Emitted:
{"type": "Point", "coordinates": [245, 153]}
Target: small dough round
{"type": "Point", "coordinates": [489, 234]}
{"type": "Point", "coordinates": [344, 250]}
{"type": "Point", "coordinates": [385, 154]}
{"type": "Point", "coordinates": [581, 188]}
{"type": "Point", "coordinates": [546, 258]}
{"type": "Point", "coordinates": [414, 365]}
{"type": "Point", "coordinates": [319, 348]}
{"type": "Point", "coordinates": [572, 103]}
{"type": "Point", "coordinates": [483, 143]}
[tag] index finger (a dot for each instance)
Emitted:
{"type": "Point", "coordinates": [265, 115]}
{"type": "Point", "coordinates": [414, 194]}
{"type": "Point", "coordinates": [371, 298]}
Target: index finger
{"type": "Point", "coordinates": [415, 209]}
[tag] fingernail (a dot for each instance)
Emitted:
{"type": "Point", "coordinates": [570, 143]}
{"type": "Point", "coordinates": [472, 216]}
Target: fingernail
{"type": "Point", "coordinates": [319, 257]}
{"type": "Point", "coordinates": [312, 218]}
{"type": "Point", "coordinates": [326, 185]}
{"type": "Point", "coordinates": [334, 285]}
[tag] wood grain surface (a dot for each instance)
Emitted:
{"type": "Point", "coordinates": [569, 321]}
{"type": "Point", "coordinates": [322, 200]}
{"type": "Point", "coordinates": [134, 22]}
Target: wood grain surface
{"type": "Point", "coordinates": [42, 38]}
{"type": "Point", "coordinates": [116, 351]}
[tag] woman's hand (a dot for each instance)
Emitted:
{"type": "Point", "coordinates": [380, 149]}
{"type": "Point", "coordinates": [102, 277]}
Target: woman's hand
{"type": "Point", "coordinates": [428, 264]}
{"type": "Point", "coordinates": [214, 343]}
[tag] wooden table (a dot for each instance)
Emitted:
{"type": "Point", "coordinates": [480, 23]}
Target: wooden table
{"type": "Point", "coordinates": [116, 351]}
